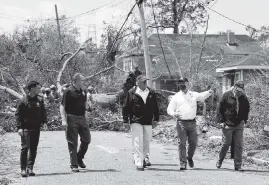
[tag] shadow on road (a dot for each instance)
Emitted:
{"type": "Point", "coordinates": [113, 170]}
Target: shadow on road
{"type": "Point", "coordinates": [52, 174]}
{"type": "Point", "coordinates": [232, 170]}
{"type": "Point", "coordinates": [69, 173]}
{"type": "Point", "coordinates": [260, 172]}
{"type": "Point", "coordinates": [165, 170]}
{"type": "Point", "coordinates": [206, 169]}
{"type": "Point", "coordinates": [108, 170]}
{"type": "Point", "coordinates": [164, 165]}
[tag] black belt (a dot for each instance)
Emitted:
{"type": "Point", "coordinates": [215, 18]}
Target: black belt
{"type": "Point", "coordinates": [75, 116]}
{"type": "Point", "coordinates": [186, 119]}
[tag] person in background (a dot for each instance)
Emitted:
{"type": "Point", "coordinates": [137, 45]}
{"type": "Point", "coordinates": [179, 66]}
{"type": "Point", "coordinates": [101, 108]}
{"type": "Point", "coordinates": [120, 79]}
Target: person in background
{"type": "Point", "coordinates": [140, 109]}
{"type": "Point", "coordinates": [30, 117]}
{"type": "Point", "coordinates": [183, 107]}
{"type": "Point", "coordinates": [54, 92]}
{"type": "Point", "coordinates": [232, 115]}
{"type": "Point", "coordinates": [73, 107]}
{"type": "Point", "coordinates": [64, 87]}
{"type": "Point", "coordinates": [42, 92]}
{"type": "Point", "coordinates": [90, 101]}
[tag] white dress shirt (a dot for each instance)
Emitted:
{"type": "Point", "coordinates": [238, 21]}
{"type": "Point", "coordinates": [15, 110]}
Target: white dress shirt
{"type": "Point", "coordinates": [186, 104]}
{"type": "Point", "coordinates": [144, 94]}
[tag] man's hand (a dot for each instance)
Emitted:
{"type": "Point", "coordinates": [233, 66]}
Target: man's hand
{"type": "Point", "coordinates": [222, 125]}
{"type": "Point", "coordinates": [45, 126]}
{"type": "Point", "coordinates": [125, 121]}
{"type": "Point", "coordinates": [64, 127]}
{"type": "Point", "coordinates": [178, 116]}
{"type": "Point", "coordinates": [154, 124]}
{"type": "Point", "coordinates": [20, 132]}
{"type": "Point", "coordinates": [64, 124]}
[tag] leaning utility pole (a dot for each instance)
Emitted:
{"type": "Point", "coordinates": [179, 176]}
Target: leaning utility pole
{"type": "Point", "coordinates": [148, 64]}
{"type": "Point", "coordinates": [59, 30]}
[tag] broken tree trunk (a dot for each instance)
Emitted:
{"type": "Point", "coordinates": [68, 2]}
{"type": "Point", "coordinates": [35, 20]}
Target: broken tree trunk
{"type": "Point", "coordinates": [11, 91]}
{"type": "Point", "coordinates": [58, 82]}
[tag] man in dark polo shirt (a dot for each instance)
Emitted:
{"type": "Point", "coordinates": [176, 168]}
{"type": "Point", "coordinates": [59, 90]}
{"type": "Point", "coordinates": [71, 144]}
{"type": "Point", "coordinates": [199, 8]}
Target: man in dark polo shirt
{"type": "Point", "coordinates": [73, 107]}
{"type": "Point", "coordinates": [30, 116]}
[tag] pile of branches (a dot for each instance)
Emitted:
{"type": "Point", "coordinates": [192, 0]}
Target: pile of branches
{"type": "Point", "coordinates": [105, 119]}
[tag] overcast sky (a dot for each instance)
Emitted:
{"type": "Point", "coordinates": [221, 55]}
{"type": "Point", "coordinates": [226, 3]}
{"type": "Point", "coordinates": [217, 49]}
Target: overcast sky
{"type": "Point", "coordinates": [12, 12]}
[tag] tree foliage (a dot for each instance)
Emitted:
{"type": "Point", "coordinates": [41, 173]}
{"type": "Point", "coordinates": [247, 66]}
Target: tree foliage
{"type": "Point", "coordinates": [261, 35]}
{"type": "Point", "coordinates": [172, 13]}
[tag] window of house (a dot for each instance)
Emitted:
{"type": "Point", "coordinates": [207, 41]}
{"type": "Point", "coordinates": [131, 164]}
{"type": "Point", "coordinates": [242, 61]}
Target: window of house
{"type": "Point", "coordinates": [128, 65]}
{"type": "Point", "coordinates": [227, 83]}
{"type": "Point", "coordinates": [237, 76]}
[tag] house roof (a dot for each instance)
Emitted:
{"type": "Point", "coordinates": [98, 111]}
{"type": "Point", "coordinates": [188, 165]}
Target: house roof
{"type": "Point", "coordinates": [258, 60]}
{"type": "Point", "coordinates": [214, 42]}
{"type": "Point", "coordinates": [215, 47]}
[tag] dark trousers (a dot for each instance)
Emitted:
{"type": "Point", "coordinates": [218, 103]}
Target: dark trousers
{"type": "Point", "coordinates": [186, 130]}
{"type": "Point", "coordinates": [76, 125]}
{"type": "Point", "coordinates": [236, 134]}
{"type": "Point", "coordinates": [29, 142]}
{"type": "Point", "coordinates": [232, 148]}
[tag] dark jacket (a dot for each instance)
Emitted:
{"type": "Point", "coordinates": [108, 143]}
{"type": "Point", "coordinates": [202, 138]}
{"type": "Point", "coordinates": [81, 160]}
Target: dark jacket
{"type": "Point", "coordinates": [136, 111]}
{"type": "Point", "coordinates": [31, 113]}
{"type": "Point", "coordinates": [227, 109]}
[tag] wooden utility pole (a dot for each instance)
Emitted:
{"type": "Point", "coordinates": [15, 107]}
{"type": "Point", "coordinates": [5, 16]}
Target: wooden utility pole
{"type": "Point", "coordinates": [59, 30]}
{"type": "Point", "coordinates": [148, 64]}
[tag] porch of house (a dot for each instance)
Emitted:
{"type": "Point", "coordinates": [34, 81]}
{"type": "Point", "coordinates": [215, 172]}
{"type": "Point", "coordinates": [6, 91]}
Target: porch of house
{"type": "Point", "coordinates": [229, 78]}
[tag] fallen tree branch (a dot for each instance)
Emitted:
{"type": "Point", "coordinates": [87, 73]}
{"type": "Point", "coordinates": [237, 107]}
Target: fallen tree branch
{"type": "Point", "coordinates": [106, 121]}
{"type": "Point", "coordinates": [59, 87]}
{"type": "Point", "coordinates": [63, 55]}
{"type": "Point", "coordinates": [51, 70]}
{"type": "Point", "coordinates": [18, 83]}
{"type": "Point", "coordinates": [160, 26]}
{"type": "Point", "coordinates": [105, 70]}
{"type": "Point", "coordinates": [11, 91]}
{"type": "Point", "coordinates": [7, 114]}
{"type": "Point", "coordinates": [119, 69]}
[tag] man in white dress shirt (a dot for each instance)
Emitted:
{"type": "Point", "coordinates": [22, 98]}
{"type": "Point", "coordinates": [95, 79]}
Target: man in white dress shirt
{"type": "Point", "coordinates": [183, 107]}
{"type": "Point", "coordinates": [140, 109]}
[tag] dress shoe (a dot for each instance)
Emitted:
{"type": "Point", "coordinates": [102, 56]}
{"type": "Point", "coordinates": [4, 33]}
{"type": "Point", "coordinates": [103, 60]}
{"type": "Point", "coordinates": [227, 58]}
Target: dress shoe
{"type": "Point", "coordinates": [81, 164]}
{"type": "Point", "coordinates": [23, 173]}
{"type": "Point", "coordinates": [140, 168]}
{"type": "Point", "coordinates": [218, 164]}
{"type": "Point", "coordinates": [191, 163]}
{"type": "Point", "coordinates": [74, 169]}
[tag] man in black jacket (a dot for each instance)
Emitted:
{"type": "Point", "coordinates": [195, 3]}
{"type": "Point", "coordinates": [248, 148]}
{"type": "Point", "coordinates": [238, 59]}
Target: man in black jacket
{"type": "Point", "coordinates": [233, 114]}
{"type": "Point", "coordinates": [30, 116]}
{"type": "Point", "coordinates": [140, 109]}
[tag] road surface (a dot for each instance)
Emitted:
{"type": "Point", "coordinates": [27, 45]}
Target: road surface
{"type": "Point", "coordinates": [109, 162]}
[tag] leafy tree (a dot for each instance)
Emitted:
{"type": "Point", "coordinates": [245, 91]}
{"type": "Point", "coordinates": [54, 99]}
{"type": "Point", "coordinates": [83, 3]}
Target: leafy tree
{"type": "Point", "coordinates": [261, 35]}
{"type": "Point", "coordinates": [172, 13]}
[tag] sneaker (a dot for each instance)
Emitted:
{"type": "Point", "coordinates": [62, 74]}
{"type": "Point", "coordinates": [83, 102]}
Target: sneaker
{"type": "Point", "coordinates": [74, 169]}
{"type": "Point", "coordinates": [23, 173]}
{"type": "Point", "coordinates": [239, 169]}
{"type": "Point", "coordinates": [30, 172]}
{"type": "Point", "coordinates": [218, 164]}
{"type": "Point", "coordinates": [81, 164]}
{"type": "Point", "coordinates": [191, 163]}
{"type": "Point", "coordinates": [140, 168]}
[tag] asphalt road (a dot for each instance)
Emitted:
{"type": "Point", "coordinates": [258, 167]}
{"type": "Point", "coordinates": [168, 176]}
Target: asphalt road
{"type": "Point", "coordinates": [109, 161]}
